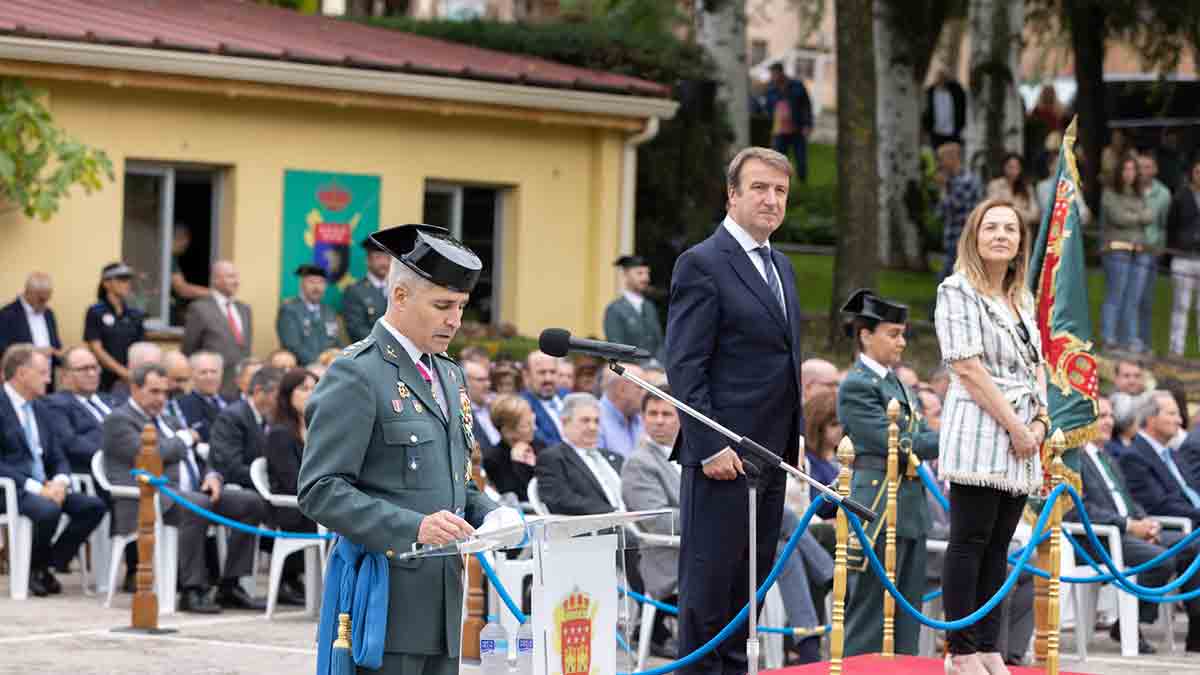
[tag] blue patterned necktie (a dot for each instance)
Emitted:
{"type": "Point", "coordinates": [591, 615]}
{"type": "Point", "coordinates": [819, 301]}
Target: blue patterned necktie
{"type": "Point", "coordinates": [764, 252]}
{"type": "Point", "coordinates": [36, 470]}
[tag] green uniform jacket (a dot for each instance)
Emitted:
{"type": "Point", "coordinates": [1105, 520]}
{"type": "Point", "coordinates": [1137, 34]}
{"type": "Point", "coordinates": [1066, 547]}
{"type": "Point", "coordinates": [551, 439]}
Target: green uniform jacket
{"type": "Point", "coordinates": [379, 458]}
{"type": "Point", "coordinates": [624, 324]}
{"type": "Point", "coordinates": [863, 398]}
{"type": "Point", "coordinates": [304, 333]}
{"type": "Point", "coordinates": [362, 304]}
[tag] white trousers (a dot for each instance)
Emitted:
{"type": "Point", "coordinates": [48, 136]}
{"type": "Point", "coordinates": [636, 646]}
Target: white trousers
{"type": "Point", "coordinates": [1185, 279]}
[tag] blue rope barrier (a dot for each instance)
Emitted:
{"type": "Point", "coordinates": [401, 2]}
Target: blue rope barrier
{"type": "Point", "coordinates": [931, 596]}
{"type": "Point", "coordinates": [503, 592]}
{"type": "Point", "coordinates": [646, 600]}
{"type": "Point", "coordinates": [160, 484]}
{"type": "Point", "coordinates": [933, 487]}
{"type": "Point", "coordinates": [623, 644]}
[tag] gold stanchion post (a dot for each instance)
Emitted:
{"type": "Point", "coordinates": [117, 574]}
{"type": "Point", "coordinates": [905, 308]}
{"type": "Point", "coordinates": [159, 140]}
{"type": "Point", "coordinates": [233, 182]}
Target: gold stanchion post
{"type": "Point", "coordinates": [1058, 444]}
{"type": "Point", "coordinates": [837, 633]}
{"type": "Point", "coordinates": [889, 557]}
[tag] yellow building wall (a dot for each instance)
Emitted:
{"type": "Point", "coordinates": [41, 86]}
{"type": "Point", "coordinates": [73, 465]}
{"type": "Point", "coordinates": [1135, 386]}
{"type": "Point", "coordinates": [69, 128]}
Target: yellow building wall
{"type": "Point", "coordinates": [561, 210]}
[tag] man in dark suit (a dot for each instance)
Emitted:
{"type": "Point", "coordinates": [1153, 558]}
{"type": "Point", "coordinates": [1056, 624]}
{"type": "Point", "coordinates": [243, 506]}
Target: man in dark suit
{"type": "Point", "coordinates": [29, 319]}
{"type": "Point", "coordinates": [1107, 501]}
{"type": "Point", "coordinates": [220, 323]}
{"type": "Point", "coordinates": [79, 410]}
{"type": "Point", "coordinates": [733, 353]}
{"type": "Point", "coordinates": [30, 455]}
{"type": "Point", "coordinates": [945, 114]}
{"type": "Point", "coordinates": [541, 390]}
{"type": "Point", "coordinates": [239, 434]}
{"type": "Point", "coordinates": [187, 473]}
{"type": "Point", "coordinates": [203, 403]}
{"type": "Point", "coordinates": [1157, 480]}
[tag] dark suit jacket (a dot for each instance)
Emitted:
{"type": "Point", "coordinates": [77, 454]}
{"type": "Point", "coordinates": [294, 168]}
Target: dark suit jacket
{"type": "Point", "coordinates": [200, 413]}
{"type": "Point", "coordinates": [1098, 500]}
{"type": "Point", "coordinates": [960, 108]}
{"type": "Point", "coordinates": [15, 455]}
{"type": "Point", "coordinates": [566, 485]}
{"type": "Point", "coordinates": [78, 429]}
{"type": "Point", "coordinates": [14, 327]}
{"type": "Point", "coordinates": [730, 352]}
{"type": "Point", "coordinates": [545, 431]}
{"type": "Point", "coordinates": [503, 473]}
{"type": "Point", "coordinates": [1152, 484]}
{"type": "Point", "coordinates": [207, 328]}
{"type": "Point", "coordinates": [236, 441]}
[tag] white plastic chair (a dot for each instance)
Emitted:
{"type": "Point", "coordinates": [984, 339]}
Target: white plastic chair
{"type": "Point", "coordinates": [1166, 610]}
{"type": "Point", "coordinates": [166, 543]}
{"type": "Point", "coordinates": [20, 541]}
{"type": "Point", "coordinates": [1086, 595]}
{"type": "Point", "coordinates": [82, 483]}
{"type": "Point", "coordinates": [281, 547]}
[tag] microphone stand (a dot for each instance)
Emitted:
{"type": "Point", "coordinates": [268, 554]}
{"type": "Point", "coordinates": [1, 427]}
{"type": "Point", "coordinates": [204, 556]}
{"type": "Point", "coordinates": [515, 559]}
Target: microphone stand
{"type": "Point", "coordinates": [752, 477]}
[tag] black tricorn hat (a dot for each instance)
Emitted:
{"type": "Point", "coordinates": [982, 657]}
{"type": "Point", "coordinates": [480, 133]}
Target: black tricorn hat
{"type": "Point", "coordinates": [310, 270]}
{"type": "Point", "coordinates": [864, 304]}
{"type": "Point", "coordinates": [431, 252]}
{"type": "Point", "coordinates": [630, 261]}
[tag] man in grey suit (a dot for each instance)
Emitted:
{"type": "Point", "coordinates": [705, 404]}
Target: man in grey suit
{"type": "Point", "coordinates": [220, 323]}
{"type": "Point", "coordinates": [649, 480]}
{"type": "Point", "coordinates": [185, 472]}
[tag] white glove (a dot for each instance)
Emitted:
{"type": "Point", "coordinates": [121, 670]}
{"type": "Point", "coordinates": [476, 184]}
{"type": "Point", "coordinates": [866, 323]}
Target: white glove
{"type": "Point", "coordinates": [498, 519]}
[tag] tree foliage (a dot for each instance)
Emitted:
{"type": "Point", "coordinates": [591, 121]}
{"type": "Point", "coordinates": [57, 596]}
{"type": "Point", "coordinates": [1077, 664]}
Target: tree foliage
{"type": "Point", "coordinates": [39, 162]}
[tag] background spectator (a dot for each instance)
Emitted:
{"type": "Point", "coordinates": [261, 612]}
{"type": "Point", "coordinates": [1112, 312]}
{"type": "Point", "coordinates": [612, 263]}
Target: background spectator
{"type": "Point", "coordinates": [509, 463]}
{"type": "Point", "coordinates": [945, 115]}
{"type": "Point", "coordinates": [29, 320]}
{"type": "Point", "coordinates": [791, 118]}
{"type": "Point", "coordinates": [1184, 236]}
{"type": "Point", "coordinates": [960, 192]}
{"type": "Point", "coordinates": [110, 326]}
{"type": "Point", "coordinates": [1015, 186]}
{"type": "Point", "coordinates": [284, 450]}
{"type": "Point", "coordinates": [1125, 219]}
{"type": "Point", "coordinates": [219, 322]}
{"type": "Point", "coordinates": [620, 412]}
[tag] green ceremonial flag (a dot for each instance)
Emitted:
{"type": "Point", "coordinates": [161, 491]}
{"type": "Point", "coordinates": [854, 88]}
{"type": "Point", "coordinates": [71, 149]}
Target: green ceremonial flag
{"type": "Point", "coordinates": [1058, 279]}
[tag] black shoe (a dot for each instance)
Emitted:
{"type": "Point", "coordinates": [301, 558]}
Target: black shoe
{"type": "Point", "coordinates": [49, 582]}
{"type": "Point", "coordinates": [290, 595]}
{"type": "Point", "coordinates": [232, 596]}
{"type": "Point", "coordinates": [1143, 646]}
{"type": "Point", "coordinates": [197, 601]}
{"type": "Point", "coordinates": [36, 587]}
{"type": "Point", "coordinates": [667, 649]}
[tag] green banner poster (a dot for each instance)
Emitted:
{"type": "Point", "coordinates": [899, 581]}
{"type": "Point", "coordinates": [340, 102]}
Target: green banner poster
{"type": "Point", "coordinates": [325, 218]}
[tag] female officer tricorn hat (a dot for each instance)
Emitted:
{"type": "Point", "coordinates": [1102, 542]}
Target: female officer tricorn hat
{"type": "Point", "coordinates": [431, 252]}
{"type": "Point", "coordinates": [864, 304]}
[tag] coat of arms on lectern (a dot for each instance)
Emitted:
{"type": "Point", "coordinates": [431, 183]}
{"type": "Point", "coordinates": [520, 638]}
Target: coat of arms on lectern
{"type": "Point", "coordinates": [573, 632]}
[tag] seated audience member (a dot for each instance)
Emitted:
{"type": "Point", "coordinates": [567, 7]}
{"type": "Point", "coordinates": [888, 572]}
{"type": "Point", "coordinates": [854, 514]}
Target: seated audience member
{"type": "Point", "coordinates": [1156, 481]}
{"type": "Point", "coordinates": [817, 376]}
{"type": "Point", "coordinates": [187, 473]}
{"type": "Point", "coordinates": [566, 376]}
{"type": "Point", "coordinates": [586, 376]}
{"type": "Point", "coordinates": [1129, 378]}
{"type": "Point", "coordinates": [930, 406]}
{"type": "Point", "coordinates": [649, 481]}
{"type": "Point", "coordinates": [79, 409]}
{"type": "Point", "coordinates": [541, 390]}
{"type": "Point", "coordinates": [284, 450]}
{"type": "Point", "coordinates": [30, 455]}
{"type": "Point", "coordinates": [479, 393]}
{"type": "Point", "coordinates": [509, 463]}
{"type": "Point", "coordinates": [239, 433]}
{"type": "Point", "coordinates": [620, 412]}
{"type": "Point", "coordinates": [575, 477]}
{"type": "Point", "coordinates": [505, 379]}
{"type": "Point", "coordinates": [822, 434]}
{"type": "Point", "coordinates": [179, 384]}
{"type": "Point", "coordinates": [1126, 422]}
{"type": "Point", "coordinates": [477, 354]}
{"type": "Point", "coordinates": [908, 377]}
{"type": "Point", "coordinates": [283, 360]}
{"type": "Point", "coordinates": [1106, 498]}
{"type": "Point", "coordinates": [203, 403]}
{"type": "Point", "coordinates": [139, 353]}
{"type": "Point", "coordinates": [246, 368]}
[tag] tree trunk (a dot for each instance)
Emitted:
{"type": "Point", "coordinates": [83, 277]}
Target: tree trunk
{"type": "Point", "coordinates": [899, 122]}
{"type": "Point", "coordinates": [1087, 21]}
{"type": "Point", "coordinates": [995, 118]}
{"type": "Point", "coordinates": [722, 31]}
{"type": "Point", "coordinates": [856, 154]}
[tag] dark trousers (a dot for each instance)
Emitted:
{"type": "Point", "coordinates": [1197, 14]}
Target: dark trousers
{"type": "Point", "coordinates": [798, 144]}
{"type": "Point", "coordinates": [714, 562]}
{"type": "Point", "coordinates": [85, 513]}
{"type": "Point", "coordinates": [982, 521]}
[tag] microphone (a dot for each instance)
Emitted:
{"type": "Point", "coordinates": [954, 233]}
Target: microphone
{"type": "Point", "coordinates": [557, 342]}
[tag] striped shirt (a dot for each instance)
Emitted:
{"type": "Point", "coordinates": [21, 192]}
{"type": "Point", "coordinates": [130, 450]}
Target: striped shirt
{"type": "Point", "coordinates": [974, 448]}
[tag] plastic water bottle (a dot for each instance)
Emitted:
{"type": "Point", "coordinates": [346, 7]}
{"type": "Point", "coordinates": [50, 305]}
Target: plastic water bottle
{"type": "Point", "coordinates": [493, 648]}
{"type": "Point", "coordinates": [525, 649]}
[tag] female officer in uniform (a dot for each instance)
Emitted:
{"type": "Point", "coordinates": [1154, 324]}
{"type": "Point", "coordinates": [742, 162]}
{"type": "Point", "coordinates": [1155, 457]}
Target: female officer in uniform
{"type": "Point", "coordinates": [111, 326]}
{"type": "Point", "coordinates": [877, 327]}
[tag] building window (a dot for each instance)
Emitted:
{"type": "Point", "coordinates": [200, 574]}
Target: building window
{"type": "Point", "coordinates": [804, 67]}
{"type": "Point", "coordinates": [758, 52]}
{"type": "Point", "coordinates": [169, 226]}
{"type": "Point", "coordinates": [473, 215]}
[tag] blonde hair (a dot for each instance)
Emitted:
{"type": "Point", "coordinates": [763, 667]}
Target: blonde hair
{"type": "Point", "coordinates": [506, 411]}
{"type": "Point", "coordinates": [970, 264]}
{"type": "Point", "coordinates": [767, 156]}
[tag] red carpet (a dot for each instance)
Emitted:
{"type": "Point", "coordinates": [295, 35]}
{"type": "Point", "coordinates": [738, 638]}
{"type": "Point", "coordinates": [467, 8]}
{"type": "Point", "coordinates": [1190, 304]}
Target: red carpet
{"type": "Point", "coordinates": [873, 664]}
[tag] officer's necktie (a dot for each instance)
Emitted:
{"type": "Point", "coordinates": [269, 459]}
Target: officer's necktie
{"type": "Point", "coordinates": [764, 252]}
{"type": "Point", "coordinates": [1169, 459]}
{"type": "Point", "coordinates": [36, 469]}
{"type": "Point", "coordinates": [425, 366]}
{"type": "Point", "coordinates": [96, 409]}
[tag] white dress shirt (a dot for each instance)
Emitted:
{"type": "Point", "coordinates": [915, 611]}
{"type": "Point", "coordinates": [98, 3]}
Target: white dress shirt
{"type": "Point", "coordinates": [943, 111]}
{"type": "Point", "coordinates": [91, 403]}
{"type": "Point", "coordinates": [189, 458]}
{"type": "Point", "coordinates": [635, 299]}
{"type": "Point", "coordinates": [225, 304]}
{"type": "Point", "coordinates": [666, 451]}
{"type": "Point", "coordinates": [1122, 507]}
{"type": "Point", "coordinates": [38, 329]}
{"type": "Point", "coordinates": [18, 403]}
{"type": "Point", "coordinates": [875, 366]}
{"type": "Point", "coordinates": [381, 284]}
{"type": "Point", "coordinates": [749, 245]}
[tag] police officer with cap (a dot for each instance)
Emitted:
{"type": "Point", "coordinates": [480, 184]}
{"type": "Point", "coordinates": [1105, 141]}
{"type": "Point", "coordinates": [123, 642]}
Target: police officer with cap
{"type": "Point", "coordinates": [366, 300]}
{"type": "Point", "coordinates": [632, 319]}
{"type": "Point", "coordinates": [305, 325]}
{"type": "Point", "coordinates": [877, 327]}
{"type": "Point", "coordinates": [387, 463]}
{"type": "Point", "coordinates": [111, 325]}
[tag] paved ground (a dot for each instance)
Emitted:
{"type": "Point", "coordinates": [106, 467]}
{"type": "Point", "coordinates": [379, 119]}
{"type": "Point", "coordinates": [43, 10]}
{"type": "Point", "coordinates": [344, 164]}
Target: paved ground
{"type": "Point", "coordinates": [72, 634]}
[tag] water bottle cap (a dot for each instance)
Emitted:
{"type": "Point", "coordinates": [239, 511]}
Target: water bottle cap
{"type": "Point", "coordinates": [491, 618]}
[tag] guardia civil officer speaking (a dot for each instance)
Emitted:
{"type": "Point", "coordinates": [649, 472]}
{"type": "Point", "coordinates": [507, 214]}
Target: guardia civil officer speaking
{"type": "Point", "coordinates": [387, 465]}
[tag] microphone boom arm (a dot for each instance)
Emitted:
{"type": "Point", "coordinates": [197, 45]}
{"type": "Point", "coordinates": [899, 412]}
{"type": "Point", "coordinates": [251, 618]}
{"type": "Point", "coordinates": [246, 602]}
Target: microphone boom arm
{"type": "Point", "coordinates": [747, 444]}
